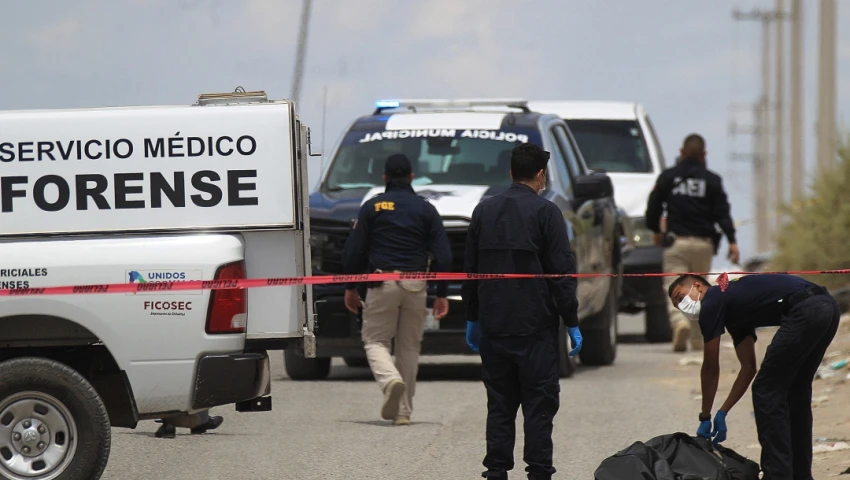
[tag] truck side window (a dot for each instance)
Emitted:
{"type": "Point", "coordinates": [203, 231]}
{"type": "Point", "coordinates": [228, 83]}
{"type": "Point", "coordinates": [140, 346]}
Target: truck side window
{"type": "Point", "coordinates": [561, 162]}
{"type": "Point", "coordinates": [570, 157]}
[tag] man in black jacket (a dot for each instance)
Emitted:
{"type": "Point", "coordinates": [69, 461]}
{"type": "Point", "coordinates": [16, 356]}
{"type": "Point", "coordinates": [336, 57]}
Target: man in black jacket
{"type": "Point", "coordinates": [514, 323]}
{"type": "Point", "coordinates": [394, 232]}
{"type": "Point", "coordinates": [695, 201]}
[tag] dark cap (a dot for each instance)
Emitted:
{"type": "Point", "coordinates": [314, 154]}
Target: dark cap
{"type": "Point", "coordinates": [398, 165]}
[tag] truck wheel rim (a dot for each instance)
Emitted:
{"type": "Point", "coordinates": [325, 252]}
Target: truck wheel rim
{"type": "Point", "coordinates": [38, 436]}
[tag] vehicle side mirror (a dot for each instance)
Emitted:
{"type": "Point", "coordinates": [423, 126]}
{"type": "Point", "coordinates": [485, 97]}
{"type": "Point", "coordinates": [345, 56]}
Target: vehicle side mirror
{"type": "Point", "coordinates": [593, 186]}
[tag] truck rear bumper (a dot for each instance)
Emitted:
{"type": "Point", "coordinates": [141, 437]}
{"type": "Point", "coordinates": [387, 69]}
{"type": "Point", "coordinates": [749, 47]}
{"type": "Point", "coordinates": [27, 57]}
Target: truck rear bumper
{"type": "Point", "coordinates": [641, 291]}
{"type": "Point", "coordinates": [338, 330]}
{"type": "Point", "coordinates": [222, 379]}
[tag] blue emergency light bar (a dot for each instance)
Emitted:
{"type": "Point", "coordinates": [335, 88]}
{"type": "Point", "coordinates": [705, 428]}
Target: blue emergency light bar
{"type": "Point", "coordinates": [387, 104]}
{"type": "Point", "coordinates": [415, 104]}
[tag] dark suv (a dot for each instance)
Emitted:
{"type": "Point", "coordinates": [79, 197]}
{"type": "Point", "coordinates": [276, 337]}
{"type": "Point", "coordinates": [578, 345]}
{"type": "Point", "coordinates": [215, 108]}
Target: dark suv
{"type": "Point", "coordinates": [461, 154]}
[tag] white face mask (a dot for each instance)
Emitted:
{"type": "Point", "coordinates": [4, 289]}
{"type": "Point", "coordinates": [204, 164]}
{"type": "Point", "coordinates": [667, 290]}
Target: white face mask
{"type": "Point", "coordinates": [542, 185]}
{"type": "Point", "coordinates": [689, 306]}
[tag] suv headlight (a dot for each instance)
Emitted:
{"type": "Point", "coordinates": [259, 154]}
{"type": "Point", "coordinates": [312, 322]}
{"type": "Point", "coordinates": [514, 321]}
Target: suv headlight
{"type": "Point", "coordinates": [641, 235]}
{"type": "Point", "coordinates": [317, 246]}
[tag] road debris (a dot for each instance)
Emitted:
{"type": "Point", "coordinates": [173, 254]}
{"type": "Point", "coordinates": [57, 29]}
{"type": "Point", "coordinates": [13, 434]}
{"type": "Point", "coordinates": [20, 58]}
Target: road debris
{"type": "Point", "coordinates": [839, 364]}
{"type": "Point", "coordinates": [690, 361]}
{"type": "Point", "coordinates": [822, 373]}
{"type": "Point", "coordinates": [831, 447]}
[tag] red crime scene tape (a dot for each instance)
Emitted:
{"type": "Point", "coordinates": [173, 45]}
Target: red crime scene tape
{"type": "Point", "coordinates": [354, 278]}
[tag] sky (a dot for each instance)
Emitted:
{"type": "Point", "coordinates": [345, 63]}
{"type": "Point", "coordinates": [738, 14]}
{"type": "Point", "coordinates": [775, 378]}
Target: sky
{"type": "Point", "coordinates": [687, 61]}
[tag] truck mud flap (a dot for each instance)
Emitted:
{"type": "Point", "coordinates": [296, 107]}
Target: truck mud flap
{"type": "Point", "coordinates": [259, 404]}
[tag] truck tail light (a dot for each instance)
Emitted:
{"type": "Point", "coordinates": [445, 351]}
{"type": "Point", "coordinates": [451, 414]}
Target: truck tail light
{"type": "Point", "coordinates": [228, 312]}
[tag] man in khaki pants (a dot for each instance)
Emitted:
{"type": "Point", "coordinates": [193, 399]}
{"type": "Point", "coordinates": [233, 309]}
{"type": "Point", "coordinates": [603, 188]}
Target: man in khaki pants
{"type": "Point", "coordinates": [394, 232]}
{"type": "Point", "coordinates": [695, 201]}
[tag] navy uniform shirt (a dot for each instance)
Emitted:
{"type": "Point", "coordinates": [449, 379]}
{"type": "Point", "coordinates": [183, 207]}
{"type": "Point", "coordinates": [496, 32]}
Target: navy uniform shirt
{"type": "Point", "coordinates": [694, 205]}
{"type": "Point", "coordinates": [519, 232]}
{"type": "Point", "coordinates": [749, 302]}
{"type": "Point", "coordinates": [395, 230]}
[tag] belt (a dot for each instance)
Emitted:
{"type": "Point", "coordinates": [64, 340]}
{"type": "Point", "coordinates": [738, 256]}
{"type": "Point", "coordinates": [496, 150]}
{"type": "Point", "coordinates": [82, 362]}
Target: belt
{"type": "Point", "coordinates": [793, 299]}
{"type": "Point", "coordinates": [693, 237]}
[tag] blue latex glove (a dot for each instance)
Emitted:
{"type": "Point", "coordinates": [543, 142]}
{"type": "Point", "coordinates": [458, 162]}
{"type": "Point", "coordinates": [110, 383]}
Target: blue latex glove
{"type": "Point", "coordinates": [704, 430]}
{"type": "Point", "coordinates": [473, 335]}
{"type": "Point", "coordinates": [719, 432]}
{"type": "Point", "coordinates": [575, 337]}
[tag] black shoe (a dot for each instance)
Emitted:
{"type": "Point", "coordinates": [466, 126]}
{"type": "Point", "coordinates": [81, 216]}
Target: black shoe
{"type": "Point", "coordinates": [495, 476]}
{"type": "Point", "coordinates": [211, 424]}
{"type": "Point", "coordinates": [166, 431]}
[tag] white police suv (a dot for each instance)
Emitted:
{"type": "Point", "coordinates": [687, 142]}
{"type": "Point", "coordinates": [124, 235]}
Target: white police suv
{"type": "Point", "coordinates": [619, 139]}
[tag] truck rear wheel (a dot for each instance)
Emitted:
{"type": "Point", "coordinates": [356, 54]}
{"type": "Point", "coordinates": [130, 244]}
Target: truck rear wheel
{"type": "Point", "coordinates": [300, 368]}
{"type": "Point", "coordinates": [658, 324]}
{"type": "Point", "coordinates": [53, 423]}
{"type": "Point", "coordinates": [599, 345]}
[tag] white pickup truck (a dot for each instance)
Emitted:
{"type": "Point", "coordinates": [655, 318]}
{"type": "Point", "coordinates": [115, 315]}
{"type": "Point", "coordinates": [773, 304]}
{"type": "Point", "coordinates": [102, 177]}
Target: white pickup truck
{"type": "Point", "coordinates": [213, 190]}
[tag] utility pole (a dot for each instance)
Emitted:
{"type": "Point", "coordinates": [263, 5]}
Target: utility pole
{"type": "Point", "coordinates": [826, 87]}
{"type": "Point", "coordinates": [301, 51]}
{"type": "Point", "coordinates": [779, 132]}
{"type": "Point", "coordinates": [761, 141]}
{"type": "Point", "coordinates": [798, 171]}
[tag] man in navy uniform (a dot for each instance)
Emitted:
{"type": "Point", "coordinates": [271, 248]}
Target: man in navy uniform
{"type": "Point", "coordinates": [807, 317]}
{"type": "Point", "coordinates": [394, 232]}
{"type": "Point", "coordinates": [514, 323]}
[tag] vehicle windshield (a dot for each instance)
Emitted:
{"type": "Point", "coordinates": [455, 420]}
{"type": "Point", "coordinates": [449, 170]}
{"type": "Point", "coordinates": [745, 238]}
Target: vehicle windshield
{"type": "Point", "coordinates": [612, 145]}
{"type": "Point", "coordinates": [438, 156]}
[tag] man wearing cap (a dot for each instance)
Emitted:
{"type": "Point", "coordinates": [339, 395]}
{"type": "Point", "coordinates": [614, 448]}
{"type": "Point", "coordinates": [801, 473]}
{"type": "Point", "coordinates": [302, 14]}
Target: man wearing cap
{"type": "Point", "coordinates": [394, 232]}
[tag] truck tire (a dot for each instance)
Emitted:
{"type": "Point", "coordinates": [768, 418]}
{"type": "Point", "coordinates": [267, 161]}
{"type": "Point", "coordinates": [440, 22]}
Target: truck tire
{"type": "Point", "coordinates": [300, 368]}
{"type": "Point", "coordinates": [658, 324]}
{"type": "Point", "coordinates": [566, 364]}
{"type": "Point", "coordinates": [356, 362]}
{"type": "Point", "coordinates": [52, 417]}
{"type": "Point", "coordinates": [599, 346]}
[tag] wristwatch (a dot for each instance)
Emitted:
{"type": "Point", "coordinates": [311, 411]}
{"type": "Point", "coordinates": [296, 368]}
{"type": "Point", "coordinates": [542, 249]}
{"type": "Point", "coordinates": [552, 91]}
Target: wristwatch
{"type": "Point", "coordinates": [704, 417]}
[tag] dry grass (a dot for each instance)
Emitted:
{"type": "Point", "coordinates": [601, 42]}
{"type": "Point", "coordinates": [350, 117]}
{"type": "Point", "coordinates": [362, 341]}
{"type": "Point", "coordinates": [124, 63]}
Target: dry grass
{"type": "Point", "coordinates": [816, 232]}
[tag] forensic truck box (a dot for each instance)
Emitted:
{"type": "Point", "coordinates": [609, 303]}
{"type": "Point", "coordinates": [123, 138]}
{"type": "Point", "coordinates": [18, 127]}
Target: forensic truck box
{"type": "Point", "coordinates": [150, 195]}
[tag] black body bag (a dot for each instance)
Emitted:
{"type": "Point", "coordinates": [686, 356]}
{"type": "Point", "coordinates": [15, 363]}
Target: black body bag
{"type": "Point", "coordinates": [677, 456]}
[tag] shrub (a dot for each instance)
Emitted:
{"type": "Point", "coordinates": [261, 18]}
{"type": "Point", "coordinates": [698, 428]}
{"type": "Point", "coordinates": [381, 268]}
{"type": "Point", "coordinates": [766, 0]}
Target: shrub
{"type": "Point", "coordinates": [816, 231]}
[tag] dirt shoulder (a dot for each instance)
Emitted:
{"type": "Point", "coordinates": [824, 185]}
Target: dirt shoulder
{"type": "Point", "coordinates": [830, 401]}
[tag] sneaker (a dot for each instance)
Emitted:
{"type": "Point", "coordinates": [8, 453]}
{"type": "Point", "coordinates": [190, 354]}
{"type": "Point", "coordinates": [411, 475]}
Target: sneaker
{"type": "Point", "coordinates": [681, 335]}
{"type": "Point", "coordinates": [211, 424]}
{"type": "Point", "coordinates": [402, 420]}
{"type": "Point", "coordinates": [166, 431]}
{"type": "Point", "coordinates": [392, 395]}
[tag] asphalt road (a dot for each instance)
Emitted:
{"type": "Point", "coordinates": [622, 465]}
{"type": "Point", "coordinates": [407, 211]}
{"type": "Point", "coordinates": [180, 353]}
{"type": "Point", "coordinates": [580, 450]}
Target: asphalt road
{"type": "Point", "coordinates": [332, 428]}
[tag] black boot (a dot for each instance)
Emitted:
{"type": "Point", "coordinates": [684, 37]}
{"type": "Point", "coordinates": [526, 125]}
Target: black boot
{"type": "Point", "coordinates": [210, 424]}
